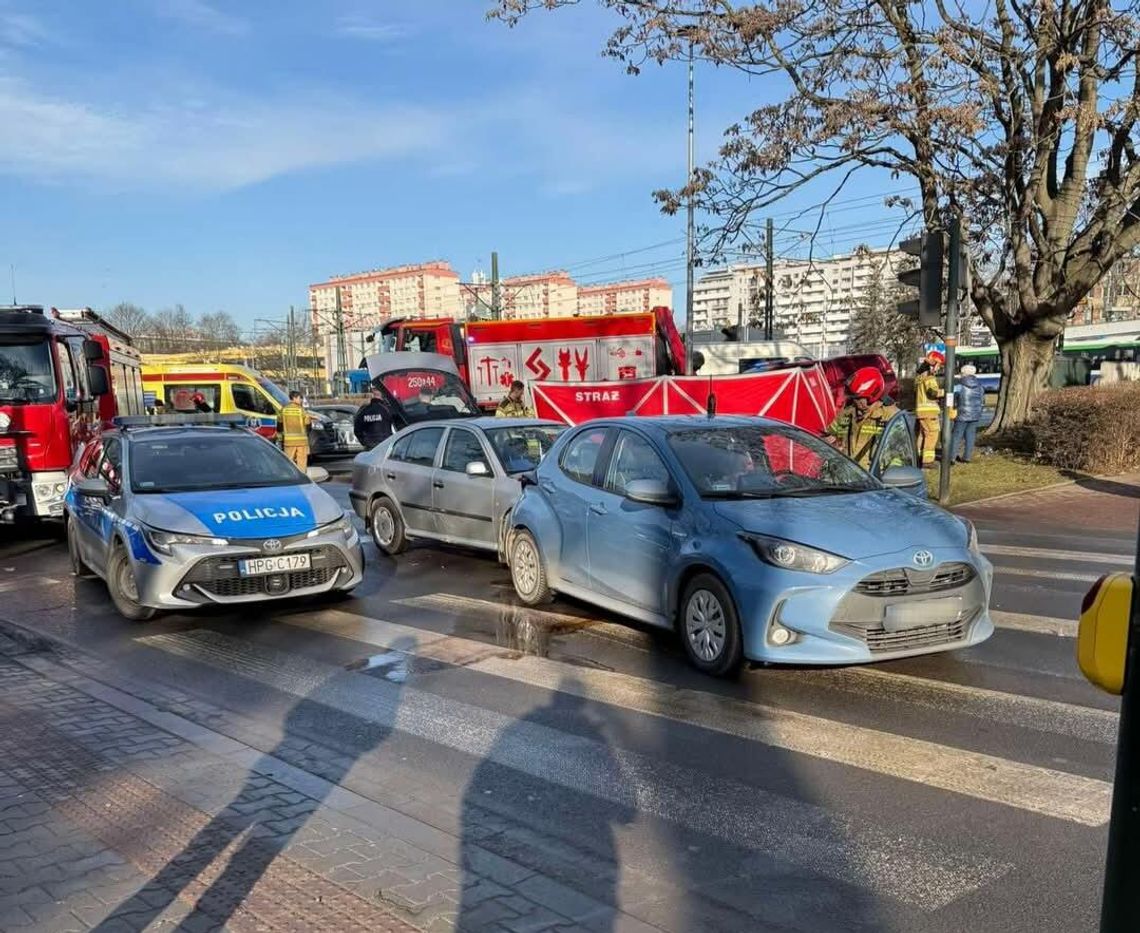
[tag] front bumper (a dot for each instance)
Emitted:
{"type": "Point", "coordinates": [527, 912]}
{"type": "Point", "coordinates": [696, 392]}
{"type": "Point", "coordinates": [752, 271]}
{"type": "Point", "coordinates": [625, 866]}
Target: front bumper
{"type": "Point", "coordinates": [842, 618]}
{"type": "Point", "coordinates": [198, 575]}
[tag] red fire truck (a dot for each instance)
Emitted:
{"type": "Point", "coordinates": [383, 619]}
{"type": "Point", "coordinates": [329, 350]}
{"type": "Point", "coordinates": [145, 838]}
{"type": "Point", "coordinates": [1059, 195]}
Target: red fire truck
{"type": "Point", "coordinates": [490, 354]}
{"type": "Point", "coordinates": [62, 374]}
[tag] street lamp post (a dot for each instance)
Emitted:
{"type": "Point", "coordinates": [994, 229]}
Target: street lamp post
{"type": "Point", "coordinates": [690, 247]}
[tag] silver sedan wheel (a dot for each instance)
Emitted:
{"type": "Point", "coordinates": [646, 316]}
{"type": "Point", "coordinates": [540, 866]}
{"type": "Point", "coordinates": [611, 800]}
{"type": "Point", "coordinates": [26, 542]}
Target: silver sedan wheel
{"type": "Point", "coordinates": [524, 566]}
{"type": "Point", "coordinates": [383, 527]}
{"type": "Point", "coordinates": [705, 625]}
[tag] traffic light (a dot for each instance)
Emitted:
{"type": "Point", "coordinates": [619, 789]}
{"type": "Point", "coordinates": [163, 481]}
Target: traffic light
{"type": "Point", "coordinates": [927, 278]}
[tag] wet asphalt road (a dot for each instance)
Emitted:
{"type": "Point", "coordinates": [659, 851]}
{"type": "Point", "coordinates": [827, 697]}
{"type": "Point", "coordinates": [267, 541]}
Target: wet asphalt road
{"type": "Point", "coordinates": [964, 791]}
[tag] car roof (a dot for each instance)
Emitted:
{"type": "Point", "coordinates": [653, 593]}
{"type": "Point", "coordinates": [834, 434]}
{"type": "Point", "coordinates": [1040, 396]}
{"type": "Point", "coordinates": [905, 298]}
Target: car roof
{"type": "Point", "coordinates": [174, 431]}
{"type": "Point", "coordinates": [485, 422]}
{"type": "Point", "coordinates": [671, 424]}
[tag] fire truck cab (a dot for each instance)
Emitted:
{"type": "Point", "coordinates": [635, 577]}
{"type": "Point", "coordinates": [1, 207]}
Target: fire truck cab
{"type": "Point", "coordinates": [62, 375]}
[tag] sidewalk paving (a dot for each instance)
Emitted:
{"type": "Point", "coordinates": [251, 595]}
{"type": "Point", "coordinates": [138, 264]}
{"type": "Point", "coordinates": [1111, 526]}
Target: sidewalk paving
{"type": "Point", "coordinates": [1110, 505]}
{"type": "Point", "coordinates": [118, 815]}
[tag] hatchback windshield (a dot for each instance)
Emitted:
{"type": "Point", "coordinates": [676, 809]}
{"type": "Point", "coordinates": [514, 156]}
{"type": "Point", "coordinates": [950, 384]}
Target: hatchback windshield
{"type": "Point", "coordinates": [520, 448]}
{"type": "Point", "coordinates": [189, 463]}
{"type": "Point", "coordinates": [759, 462]}
{"type": "Point", "coordinates": [26, 373]}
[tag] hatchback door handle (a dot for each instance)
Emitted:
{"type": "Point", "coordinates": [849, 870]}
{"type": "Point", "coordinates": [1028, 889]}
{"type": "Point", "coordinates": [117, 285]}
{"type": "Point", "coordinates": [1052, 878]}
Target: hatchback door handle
{"type": "Point", "coordinates": [390, 475]}
{"type": "Point", "coordinates": [437, 484]}
{"type": "Point", "coordinates": [597, 508]}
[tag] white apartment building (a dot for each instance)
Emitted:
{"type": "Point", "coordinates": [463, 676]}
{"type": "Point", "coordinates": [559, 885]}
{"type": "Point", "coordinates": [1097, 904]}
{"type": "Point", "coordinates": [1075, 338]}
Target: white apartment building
{"type": "Point", "coordinates": [622, 297]}
{"type": "Point", "coordinates": [812, 299]}
{"type": "Point", "coordinates": [429, 289]}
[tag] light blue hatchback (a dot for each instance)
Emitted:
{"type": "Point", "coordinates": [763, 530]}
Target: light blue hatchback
{"type": "Point", "coordinates": [754, 539]}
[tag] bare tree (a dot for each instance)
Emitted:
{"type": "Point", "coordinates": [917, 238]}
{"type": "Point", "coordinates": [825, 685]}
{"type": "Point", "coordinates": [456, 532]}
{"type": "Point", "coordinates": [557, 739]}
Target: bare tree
{"type": "Point", "coordinates": [877, 326]}
{"type": "Point", "coordinates": [1019, 117]}
{"type": "Point", "coordinates": [219, 331]}
{"type": "Point", "coordinates": [129, 318]}
{"type": "Point", "coordinates": [172, 331]}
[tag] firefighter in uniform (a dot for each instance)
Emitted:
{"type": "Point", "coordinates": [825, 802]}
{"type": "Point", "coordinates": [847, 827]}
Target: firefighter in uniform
{"type": "Point", "coordinates": [513, 405]}
{"type": "Point", "coordinates": [927, 393]}
{"type": "Point", "coordinates": [293, 430]}
{"type": "Point", "coordinates": [859, 425]}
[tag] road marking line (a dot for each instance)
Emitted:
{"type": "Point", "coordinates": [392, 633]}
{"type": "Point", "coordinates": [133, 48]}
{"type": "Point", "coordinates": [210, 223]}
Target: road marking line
{"type": "Point", "coordinates": [1026, 712]}
{"type": "Point", "coordinates": [907, 868]}
{"type": "Point", "coordinates": [1053, 793]}
{"type": "Point", "coordinates": [1077, 557]}
{"type": "Point", "coordinates": [1050, 574]}
{"type": "Point", "coordinates": [1042, 625]}
{"type": "Point", "coordinates": [25, 583]}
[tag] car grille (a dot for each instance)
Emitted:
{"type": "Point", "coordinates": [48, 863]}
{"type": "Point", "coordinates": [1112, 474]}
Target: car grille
{"type": "Point", "coordinates": [219, 576]}
{"type": "Point", "coordinates": [904, 581]}
{"type": "Point", "coordinates": [879, 641]}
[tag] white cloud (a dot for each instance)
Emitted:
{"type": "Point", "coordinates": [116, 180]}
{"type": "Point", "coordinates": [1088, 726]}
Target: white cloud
{"type": "Point", "coordinates": [201, 15]}
{"type": "Point", "coordinates": [22, 30]}
{"type": "Point", "coordinates": [362, 27]}
{"type": "Point", "coordinates": [199, 144]}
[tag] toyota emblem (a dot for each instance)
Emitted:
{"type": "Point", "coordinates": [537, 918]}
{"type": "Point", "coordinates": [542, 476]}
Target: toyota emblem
{"type": "Point", "coordinates": [923, 559]}
{"type": "Point", "coordinates": [273, 546]}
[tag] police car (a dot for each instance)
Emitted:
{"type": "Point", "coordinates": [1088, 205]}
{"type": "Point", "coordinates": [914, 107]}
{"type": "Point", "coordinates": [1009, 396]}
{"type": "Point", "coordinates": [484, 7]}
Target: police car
{"type": "Point", "coordinates": [175, 512]}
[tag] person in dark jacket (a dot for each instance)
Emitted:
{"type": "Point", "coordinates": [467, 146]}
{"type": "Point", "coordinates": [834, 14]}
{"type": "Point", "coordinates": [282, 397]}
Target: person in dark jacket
{"type": "Point", "coordinates": [373, 421]}
{"type": "Point", "coordinates": [971, 399]}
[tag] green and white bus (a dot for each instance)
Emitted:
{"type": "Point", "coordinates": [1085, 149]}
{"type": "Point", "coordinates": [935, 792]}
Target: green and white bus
{"type": "Point", "coordinates": [1091, 352]}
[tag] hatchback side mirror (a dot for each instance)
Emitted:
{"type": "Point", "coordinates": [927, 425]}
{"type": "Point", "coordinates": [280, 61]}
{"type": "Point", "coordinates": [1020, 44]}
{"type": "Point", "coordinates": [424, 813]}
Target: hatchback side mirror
{"type": "Point", "coordinates": [903, 478]}
{"type": "Point", "coordinates": [92, 487]}
{"type": "Point", "coordinates": [651, 492]}
{"type": "Point", "coordinates": [478, 468]}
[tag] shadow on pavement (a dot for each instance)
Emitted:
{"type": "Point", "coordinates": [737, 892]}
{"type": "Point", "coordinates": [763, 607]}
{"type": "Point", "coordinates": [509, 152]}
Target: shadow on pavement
{"type": "Point", "coordinates": [1106, 486]}
{"type": "Point", "coordinates": [502, 802]}
{"type": "Point", "coordinates": [240, 822]}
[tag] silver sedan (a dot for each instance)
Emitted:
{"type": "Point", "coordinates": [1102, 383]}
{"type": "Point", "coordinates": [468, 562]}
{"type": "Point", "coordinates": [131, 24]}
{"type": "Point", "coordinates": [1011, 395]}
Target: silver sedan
{"type": "Point", "coordinates": [454, 481]}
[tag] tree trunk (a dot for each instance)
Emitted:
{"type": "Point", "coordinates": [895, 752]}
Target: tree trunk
{"type": "Point", "coordinates": [1026, 365]}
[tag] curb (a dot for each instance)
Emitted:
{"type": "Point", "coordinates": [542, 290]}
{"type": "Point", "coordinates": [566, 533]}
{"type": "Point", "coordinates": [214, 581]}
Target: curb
{"type": "Point", "coordinates": [1019, 492]}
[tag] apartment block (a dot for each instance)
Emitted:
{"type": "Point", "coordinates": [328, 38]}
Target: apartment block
{"type": "Point", "coordinates": [621, 297]}
{"type": "Point", "coordinates": [812, 299]}
{"type": "Point", "coordinates": [429, 289]}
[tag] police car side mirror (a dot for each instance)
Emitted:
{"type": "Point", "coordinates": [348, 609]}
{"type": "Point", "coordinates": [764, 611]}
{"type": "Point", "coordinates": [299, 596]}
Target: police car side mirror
{"type": "Point", "coordinates": [93, 487]}
{"type": "Point", "coordinates": [318, 474]}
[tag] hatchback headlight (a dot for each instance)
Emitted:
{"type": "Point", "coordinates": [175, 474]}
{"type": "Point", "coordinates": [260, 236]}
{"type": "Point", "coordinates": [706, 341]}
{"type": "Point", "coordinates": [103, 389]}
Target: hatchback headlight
{"type": "Point", "coordinates": [163, 541]}
{"type": "Point", "coordinates": [790, 555]}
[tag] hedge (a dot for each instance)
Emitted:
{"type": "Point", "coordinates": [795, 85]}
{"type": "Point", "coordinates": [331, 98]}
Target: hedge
{"type": "Point", "coordinates": [1089, 430]}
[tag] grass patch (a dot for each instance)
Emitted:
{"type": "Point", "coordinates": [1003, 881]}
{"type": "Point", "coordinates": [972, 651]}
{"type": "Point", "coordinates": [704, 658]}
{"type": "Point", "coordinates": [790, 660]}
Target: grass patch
{"type": "Point", "coordinates": [994, 475]}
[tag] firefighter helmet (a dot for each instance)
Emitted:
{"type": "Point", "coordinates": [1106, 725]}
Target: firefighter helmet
{"type": "Point", "coordinates": [867, 383]}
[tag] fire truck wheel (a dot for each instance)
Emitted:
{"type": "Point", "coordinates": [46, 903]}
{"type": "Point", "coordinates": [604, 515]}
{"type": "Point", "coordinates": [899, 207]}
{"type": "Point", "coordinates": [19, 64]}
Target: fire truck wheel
{"type": "Point", "coordinates": [124, 589]}
{"type": "Point", "coordinates": [78, 568]}
{"type": "Point", "coordinates": [387, 526]}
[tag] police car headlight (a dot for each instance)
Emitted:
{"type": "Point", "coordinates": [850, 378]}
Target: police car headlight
{"type": "Point", "coordinates": [342, 526]}
{"type": "Point", "coordinates": [790, 555]}
{"type": "Point", "coordinates": [163, 541]}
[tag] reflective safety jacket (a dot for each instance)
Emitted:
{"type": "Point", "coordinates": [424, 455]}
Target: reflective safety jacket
{"type": "Point", "coordinates": [293, 425]}
{"type": "Point", "coordinates": [509, 408]}
{"type": "Point", "coordinates": [859, 436]}
{"type": "Point", "coordinates": [927, 392]}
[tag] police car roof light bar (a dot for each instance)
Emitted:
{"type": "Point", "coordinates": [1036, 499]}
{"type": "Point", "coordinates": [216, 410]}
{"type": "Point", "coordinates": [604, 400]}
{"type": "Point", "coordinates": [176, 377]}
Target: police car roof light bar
{"type": "Point", "coordinates": [183, 420]}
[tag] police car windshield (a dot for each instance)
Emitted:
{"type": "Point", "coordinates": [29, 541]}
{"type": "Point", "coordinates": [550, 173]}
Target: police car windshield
{"type": "Point", "coordinates": [208, 460]}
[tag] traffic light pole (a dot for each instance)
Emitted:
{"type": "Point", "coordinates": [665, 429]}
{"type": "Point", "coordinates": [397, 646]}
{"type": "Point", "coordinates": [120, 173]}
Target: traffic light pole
{"type": "Point", "coordinates": [953, 284]}
{"type": "Point", "coordinates": [1120, 909]}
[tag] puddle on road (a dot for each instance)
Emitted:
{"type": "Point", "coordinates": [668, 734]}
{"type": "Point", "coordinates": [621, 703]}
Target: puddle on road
{"type": "Point", "coordinates": [395, 666]}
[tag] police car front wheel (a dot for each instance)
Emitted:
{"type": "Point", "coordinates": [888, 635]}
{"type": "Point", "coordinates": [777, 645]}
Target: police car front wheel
{"type": "Point", "coordinates": [78, 567]}
{"type": "Point", "coordinates": [124, 588]}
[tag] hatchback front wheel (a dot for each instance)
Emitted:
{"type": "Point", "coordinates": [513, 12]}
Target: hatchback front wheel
{"type": "Point", "coordinates": [527, 571]}
{"type": "Point", "coordinates": [710, 627]}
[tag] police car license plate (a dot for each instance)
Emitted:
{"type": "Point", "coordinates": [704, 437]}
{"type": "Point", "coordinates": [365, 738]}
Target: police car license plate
{"type": "Point", "coordinates": [281, 563]}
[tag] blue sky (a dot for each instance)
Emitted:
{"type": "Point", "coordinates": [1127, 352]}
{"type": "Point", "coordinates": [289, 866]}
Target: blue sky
{"type": "Point", "coordinates": [226, 154]}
